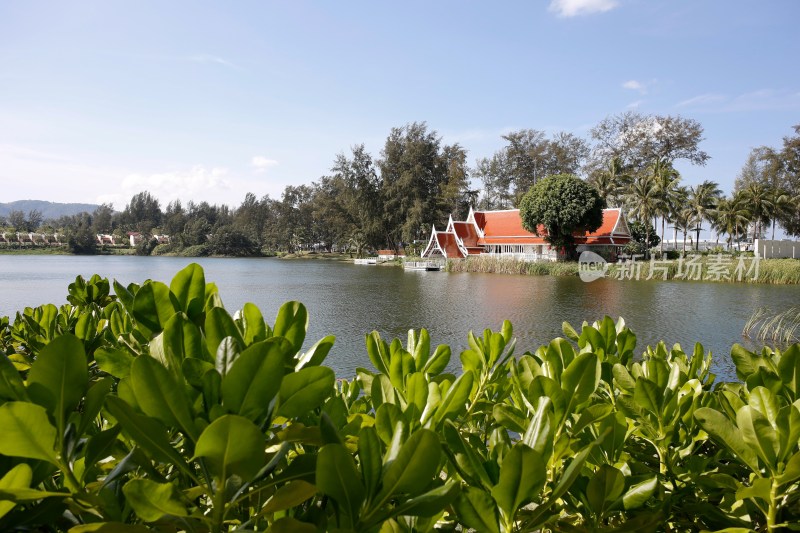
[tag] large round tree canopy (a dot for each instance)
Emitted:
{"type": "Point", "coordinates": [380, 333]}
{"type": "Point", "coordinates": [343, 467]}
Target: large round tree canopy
{"type": "Point", "coordinates": [562, 204]}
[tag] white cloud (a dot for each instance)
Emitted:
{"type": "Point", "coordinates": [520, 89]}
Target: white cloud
{"type": "Point", "coordinates": [703, 99]}
{"type": "Point", "coordinates": [196, 183]}
{"type": "Point", "coordinates": [760, 100]}
{"type": "Point", "coordinates": [208, 58]}
{"type": "Point", "coordinates": [261, 163]}
{"type": "Point", "coordinates": [574, 8]}
{"type": "Point", "coordinates": [634, 85]}
{"type": "Point", "coordinates": [635, 104]}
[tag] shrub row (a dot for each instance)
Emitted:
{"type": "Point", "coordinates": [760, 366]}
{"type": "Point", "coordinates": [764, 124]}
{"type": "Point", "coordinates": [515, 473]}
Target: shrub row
{"type": "Point", "coordinates": [153, 407]}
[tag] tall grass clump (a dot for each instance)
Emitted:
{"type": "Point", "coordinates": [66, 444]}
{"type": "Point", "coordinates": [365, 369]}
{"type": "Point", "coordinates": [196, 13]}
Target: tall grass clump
{"type": "Point", "coordinates": [778, 328]}
{"type": "Point", "coordinates": [503, 265]}
{"type": "Point", "coordinates": [779, 271]}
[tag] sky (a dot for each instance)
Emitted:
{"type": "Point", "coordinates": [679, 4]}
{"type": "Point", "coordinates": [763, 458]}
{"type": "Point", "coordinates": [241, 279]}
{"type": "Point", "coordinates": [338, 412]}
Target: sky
{"type": "Point", "coordinates": [208, 100]}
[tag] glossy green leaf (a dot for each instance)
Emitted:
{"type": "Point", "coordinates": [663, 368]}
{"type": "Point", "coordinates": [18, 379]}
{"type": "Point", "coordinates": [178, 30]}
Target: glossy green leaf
{"type": "Point", "coordinates": [522, 477]}
{"type": "Point", "coordinates": [759, 435]}
{"type": "Point", "coordinates": [305, 390]}
{"type": "Point", "coordinates": [189, 287]}
{"type": "Point", "coordinates": [292, 324]}
{"type": "Point", "coordinates": [93, 403]}
{"type": "Point", "coordinates": [387, 416]}
{"type": "Point", "coordinates": [59, 377]}
{"type": "Point", "coordinates": [290, 495]}
{"type": "Point", "coordinates": [317, 353]}
{"type": "Point", "coordinates": [114, 361]}
{"type": "Point", "coordinates": [791, 471]}
{"type": "Point", "coordinates": [338, 478]}
{"type": "Point", "coordinates": [417, 462]}
{"type": "Point", "coordinates": [429, 503]}
{"type": "Point", "coordinates": [421, 349]}
{"type": "Point", "coordinates": [232, 445]}
{"type": "Point", "coordinates": [648, 396]}
{"type": "Point", "coordinates": [371, 459]}
{"type": "Point", "coordinates": [377, 352]}
{"type": "Point", "coordinates": [147, 432]}
{"type": "Point", "coordinates": [438, 361]}
{"type": "Point", "coordinates": [228, 351]}
{"type": "Point", "coordinates": [152, 501]}
{"type": "Point", "coordinates": [27, 432]}
{"type": "Point", "coordinates": [566, 480]}
{"type": "Point", "coordinates": [759, 488]}
{"type": "Point", "coordinates": [255, 378]}
{"type": "Point", "coordinates": [99, 446]}
{"type": "Point", "coordinates": [219, 325]}
{"type": "Point", "coordinates": [417, 393]}
{"type": "Point", "coordinates": [477, 510]}
{"type": "Point", "coordinates": [580, 378]}
{"type": "Point", "coordinates": [153, 305]}
{"type": "Point", "coordinates": [11, 385]}
{"type": "Point", "coordinates": [159, 395]}
{"type": "Point", "coordinates": [466, 457]}
{"type": "Point", "coordinates": [722, 430]}
{"type": "Point", "coordinates": [639, 493]}
{"type": "Point", "coordinates": [253, 324]}
{"type": "Point", "coordinates": [18, 477]}
{"type": "Point", "coordinates": [182, 340]}
{"type": "Point", "coordinates": [606, 485]}
{"type": "Point", "coordinates": [455, 401]}
{"type": "Point", "coordinates": [539, 433]}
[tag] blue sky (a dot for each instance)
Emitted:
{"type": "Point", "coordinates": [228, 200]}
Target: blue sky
{"type": "Point", "coordinates": [209, 100]}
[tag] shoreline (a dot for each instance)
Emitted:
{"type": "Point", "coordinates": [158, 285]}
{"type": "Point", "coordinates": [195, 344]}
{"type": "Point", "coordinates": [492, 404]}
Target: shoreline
{"type": "Point", "coordinates": [712, 269]}
{"type": "Point", "coordinates": [709, 268]}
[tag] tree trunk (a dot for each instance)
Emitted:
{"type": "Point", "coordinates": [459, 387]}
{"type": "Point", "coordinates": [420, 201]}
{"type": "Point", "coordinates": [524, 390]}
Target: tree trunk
{"type": "Point", "coordinates": [662, 237]}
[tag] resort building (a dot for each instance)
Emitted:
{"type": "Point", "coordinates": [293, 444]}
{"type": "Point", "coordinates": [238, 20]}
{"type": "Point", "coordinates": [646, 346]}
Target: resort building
{"type": "Point", "coordinates": [500, 233]}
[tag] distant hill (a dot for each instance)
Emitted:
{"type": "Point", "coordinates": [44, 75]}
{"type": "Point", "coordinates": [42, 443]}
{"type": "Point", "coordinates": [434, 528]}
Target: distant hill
{"type": "Point", "coordinates": [48, 209]}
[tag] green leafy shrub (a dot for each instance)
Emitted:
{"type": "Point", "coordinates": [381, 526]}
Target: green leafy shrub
{"type": "Point", "coordinates": [153, 407]}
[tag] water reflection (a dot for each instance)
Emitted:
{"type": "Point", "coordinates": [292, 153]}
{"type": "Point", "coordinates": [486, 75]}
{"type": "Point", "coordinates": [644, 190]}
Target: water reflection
{"type": "Point", "coordinates": [350, 301]}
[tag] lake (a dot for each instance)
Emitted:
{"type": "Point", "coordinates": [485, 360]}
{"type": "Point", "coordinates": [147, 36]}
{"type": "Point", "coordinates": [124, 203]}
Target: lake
{"type": "Point", "coordinates": [351, 300]}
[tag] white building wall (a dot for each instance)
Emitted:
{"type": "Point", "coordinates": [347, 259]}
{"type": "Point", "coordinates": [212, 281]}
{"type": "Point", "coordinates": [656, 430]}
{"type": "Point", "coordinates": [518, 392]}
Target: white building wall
{"type": "Point", "coordinates": [766, 249]}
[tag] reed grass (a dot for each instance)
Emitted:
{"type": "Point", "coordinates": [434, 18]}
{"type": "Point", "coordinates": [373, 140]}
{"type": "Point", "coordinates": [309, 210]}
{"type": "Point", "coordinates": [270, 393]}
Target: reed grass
{"type": "Point", "coordinates": [781, 328]}
{"type": "Point", "coordinates": [771, 271]}
{"type": "Point", "coordinates": [500, 265]}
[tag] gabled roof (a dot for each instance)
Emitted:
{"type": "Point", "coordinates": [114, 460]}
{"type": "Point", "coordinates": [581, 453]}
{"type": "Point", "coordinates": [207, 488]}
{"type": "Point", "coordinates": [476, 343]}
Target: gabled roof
{"type": "Point", "coordinates": [468, 235]}
{"type": "Point", "coordinates": [505, 227]}
{"type": "Point", "coordinates": [444, 243]}
{"type": "Point", "coordinates": [448, 244]}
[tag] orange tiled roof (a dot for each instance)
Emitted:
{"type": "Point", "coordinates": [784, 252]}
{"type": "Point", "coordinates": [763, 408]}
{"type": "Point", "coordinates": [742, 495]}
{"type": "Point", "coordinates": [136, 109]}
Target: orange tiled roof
{"type": "Point", "coordinates": [447, 242]}
{"type": "Point", "coordinates": [505, 227]}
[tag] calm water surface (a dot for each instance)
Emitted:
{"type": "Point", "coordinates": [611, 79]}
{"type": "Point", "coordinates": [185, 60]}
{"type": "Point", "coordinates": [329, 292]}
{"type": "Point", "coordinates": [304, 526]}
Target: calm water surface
{"type": "Point", "coordinates": [350, 300]}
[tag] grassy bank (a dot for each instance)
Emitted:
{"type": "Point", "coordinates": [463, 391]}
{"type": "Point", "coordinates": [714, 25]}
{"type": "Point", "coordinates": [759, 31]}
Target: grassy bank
{"type": "Point", "coordinates": [496, 265]}
{"type": "Point", "coordinates": [43, 250]}
{"type": "Point", "coordinates": [724, 269]}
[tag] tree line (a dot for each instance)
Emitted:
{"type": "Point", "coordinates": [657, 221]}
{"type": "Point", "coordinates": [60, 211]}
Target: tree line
{"type": "Point", "coordinates": [392, 200]}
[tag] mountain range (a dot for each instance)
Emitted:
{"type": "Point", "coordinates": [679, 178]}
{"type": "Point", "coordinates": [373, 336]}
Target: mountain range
{"type": "Point", "coordinates": [49, 209]}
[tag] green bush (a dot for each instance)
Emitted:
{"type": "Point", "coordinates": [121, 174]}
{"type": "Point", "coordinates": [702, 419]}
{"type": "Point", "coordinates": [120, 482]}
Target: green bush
{"type": "Point", "coordinates": [153, 407]}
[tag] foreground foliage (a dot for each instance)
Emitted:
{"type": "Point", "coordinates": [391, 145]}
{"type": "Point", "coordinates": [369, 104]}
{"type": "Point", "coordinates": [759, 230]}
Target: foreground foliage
{"type": "Point", "coordinates": [156, 408]}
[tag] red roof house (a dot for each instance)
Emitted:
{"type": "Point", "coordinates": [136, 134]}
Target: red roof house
{"type": "Point", "coordinates": [501, 233]}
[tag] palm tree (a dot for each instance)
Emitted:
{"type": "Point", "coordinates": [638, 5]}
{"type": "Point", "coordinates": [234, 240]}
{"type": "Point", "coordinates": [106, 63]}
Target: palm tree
{"type": "Point", "coordinates": [667, 181]}
{"type": "Point", "coordinates": [611, 182]}
{"type": "Point", "coordinates": [643, 197]}
{"type": "Point", "coordinates": [759, 198]}
{"type": "Point", "coordinates": [730, 217]}
{"type": "Point", "coordinates": [683, 221]}
{"type": "Point", "coordinates": [702, 198]}
{"type": "Point", "coordinates": [782, 205]}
